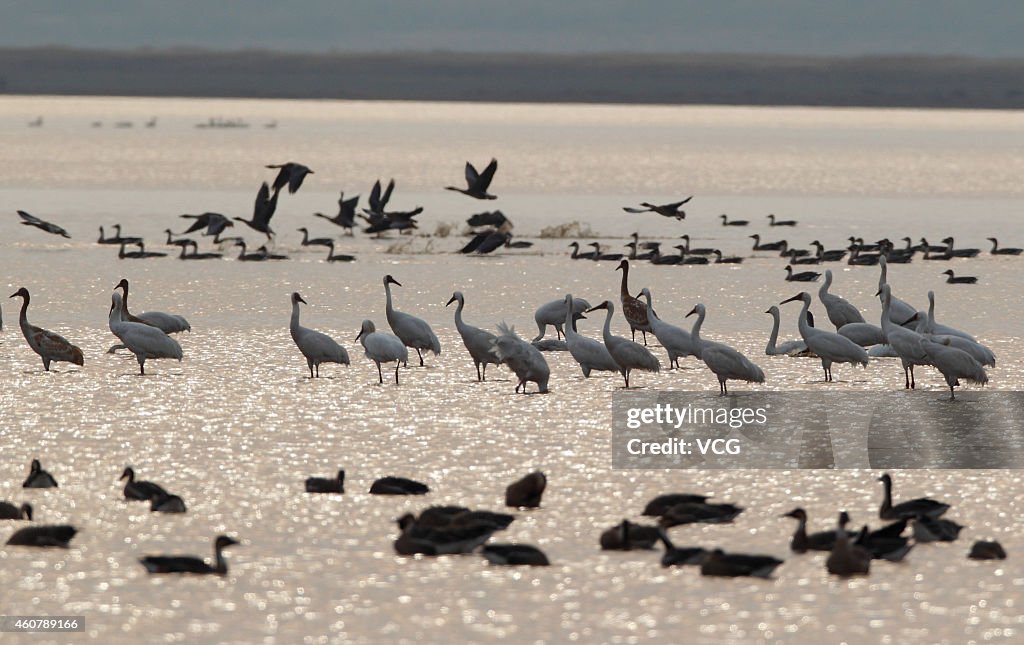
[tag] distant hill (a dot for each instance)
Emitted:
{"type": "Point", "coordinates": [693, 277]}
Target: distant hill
{"type": "Point", "coordinates": [601, 78]}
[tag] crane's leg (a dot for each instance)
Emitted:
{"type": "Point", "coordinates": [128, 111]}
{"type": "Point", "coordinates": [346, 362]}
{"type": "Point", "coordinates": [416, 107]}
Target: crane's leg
{"type": "Point", "coordinates": [396, 374]}
{"type": "Point", "coordinates": [633, 329]}
{"type": "Point", "coordinates": [380, 375]}
{"type": "Point", "coordinates": [142, 366]}
{"type": "Point", "coordinates": [558, 332]}
{"type": "Point", "coordinates": [318, 370]}
{"type": "Point", "coordinates": [644, 334]}
{"type": "Point", "coordinates": [46, 364]}
{"type": "Point", "coordinates": [952, 397]}
{"type": "Point", "coordinates": [418, 353]}
{"type": "Point", "coordinates": [906, 379]}
{"type": "Point", "coordinates": [484, 375]}
{"type": "Point", "coordinates": [625, 376]}
{"type": "Point", "coordinates": [309, 363]}
{"type": "Point", "coordinates": [912, 384]}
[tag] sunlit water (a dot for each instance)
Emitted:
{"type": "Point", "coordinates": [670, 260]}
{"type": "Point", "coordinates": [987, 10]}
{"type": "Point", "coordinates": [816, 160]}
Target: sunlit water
{"type": "Point", "coordinates": [238, 425]}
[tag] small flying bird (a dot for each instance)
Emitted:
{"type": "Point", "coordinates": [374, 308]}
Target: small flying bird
{"type": "Point", "coordinates": [672, 210]}
{"type": "Point", "coordinates": [32, 220]}
{"type": "Point", "coordinates": [478, 183]}
{"type": "Point", "coordinates": [214, 223]}
{"type": "Point", "coordinates": [291, 174]}
{"type": "Point", "coordinates": [263, 210]}
{"type": "Point", "coordinates": [346, 217]}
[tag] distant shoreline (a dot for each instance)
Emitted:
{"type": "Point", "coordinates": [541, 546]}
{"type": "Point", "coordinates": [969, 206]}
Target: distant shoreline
{"type": "Point", "coordinates": [705, 79]}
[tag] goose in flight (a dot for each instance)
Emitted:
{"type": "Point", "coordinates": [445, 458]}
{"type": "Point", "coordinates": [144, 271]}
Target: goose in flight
{"type": "Point", "coordinates": [522, 358]}
{"type": "Point", "coordinates": [51, 347]}
{"type": "Point", "coordinates": [382, 348]}
{"type": "Point", "coordinates": [263, 210]}
{"type": "Point", "coordinates": [142, 340]}
{"type": "Point", "coordinates": [488, 218]}
{"type": "Point", "coordinates": [627, 354]}
{"type": "Point", "coordinates": [317, 347]}
{"type": "Point", "coordinates": [191, 564]}
{"type": "Point", "coordinates": [478, 342]}
{"type": "Point", "coordinates": [346, 217]}
{"type": "Point", "coordinates": [38, 478]}
{"type": "Point", "coordinates": [214, 223]}
{"type": "Point", "coordinates": [477, 183]}
{"type": "Point", "coordinates": [672, 210]}
{"type": "Point", "coordinates": [43, 225]}
{"type": "Point", "coordinates": [414, 332]}
{"type": "Point", "coordinates": [290, 174]}
{"type": "Point", "coordinates": [830, 347]}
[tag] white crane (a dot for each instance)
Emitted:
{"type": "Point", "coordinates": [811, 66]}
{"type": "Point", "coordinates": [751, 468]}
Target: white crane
{"type": "Point", "coordinates": [839, 310]}
{"type": "Point", "coordinates": [953, 363]}
{"type": "Point", "coordinates": [413, 332]}
{"type": "Point", "coordinates": [927, 324]}
{"type": "Point", "coordinates": [677, 342]}
{"type": "Point", "coordinates": [553, 313]}
{"type": "Point", "coordinates": [315, 346]}
{"type": "Point", "coordinates": [167, 323]}
{"type": "Point", "coordinates": [830, 348]}
{"type": "Point", "coordinates": [589, 353]}
{"type": "Point", "coordinates": [142, 340]}
{"type": "Point", "coordinates": [382, 348]}
{"type": "Point", "coordinates": [926, 328]}
{"type": "Point", "coordinates": [628, 354]}
{"type": "Point", "coordinates": [901, 312]}
{"type": "Point", "coordinates": [863, 333]}
{"type": "Point", "coordinates": [480, 343]}
{"type": "Point", "coordinates": [789, 347]}
{"type": "Point", "coordinates": [522, 358]}
{"type": "Point", "coordinates": [51, 347]}
{"type": "Point", "coordinates": [905, 342]}
{"type": "Point", "coordinates": [726, 362]}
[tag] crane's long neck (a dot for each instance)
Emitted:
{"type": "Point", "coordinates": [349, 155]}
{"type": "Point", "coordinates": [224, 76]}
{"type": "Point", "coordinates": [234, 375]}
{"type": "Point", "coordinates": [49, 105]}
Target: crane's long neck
{"type": "Point", "coordinates": [624, 288]}
{"type": "Point", "coordinates": [294, 326]}
{"type": "Point", "coordinates": [116, 316]}
{"type": "Point", "coordinates": [931, 313]}
{"type": "Point", "coordinates": [608, 324]}
{"type": "Point", "coordinates": [124, 306]}
{"type": "Point", "coordinates": [388, 306]}
{"type": "Point", "coordinates": [881, 276]}
{"type": "Point", "coordinates": [774, 337]}
{"type": "Point", "coordinates": [802, 322]}
{"type": "Point", "coordinates": [823, 290]}
{"type": "Point", "coordinates": [649, 308]}
{"type": "Point", "coordinates": [886, 309]}
{"type": "Point", "coordinates": [695, 331]}
{"type": "Point", "coordinates": [570, 324]}
{"type": "Point", "coordinates": [23, 316]}
{"type": "Point", "coordinates": [459, 323]}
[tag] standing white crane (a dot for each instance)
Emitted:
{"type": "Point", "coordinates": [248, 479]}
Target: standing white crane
{"type": "Point", "coordinates": [412, 331]}
{"type": "Point", "coordinates": [789, 347]}
{"type": "Point", "coordinates": [142, 340]}
{"type": "Point", "coordinates": [590, 354]}
{"type": "Point", "coordinates": [726, 362]}
{"type": "Point", "coordinates": [480, 343]}
{"type": "Point", "coordinates": [553, 313]}
{"type": "Point", "coordinates": [628, 354]}
{"type": "Point", "coordinates": [676, 341]}
{"type": "Point", "coordinates": [51, 347]}
{"type": "Point", "coordinates": [955, 364]}
{"type": "Point", "coordinates": [839, 310]}
{"type": "Point", "coordinates": [905, 342]}
{"type": "Point", "coordinates": [317, 347]}
{"type": "Point", "coordinates": [522, 358]}
{"type": "Point", "coordinates": [926, 328]}
{"type": "Point", "coordinates": [167, 323]}
{"type": "Point", "coordinates": [927, 324]}
{"type": "Point", "coordinates": [382, 348]}
{"type": "Point", "coordinates": [830, 348]}
{"type": "Point", "coordinates": [901, 312]}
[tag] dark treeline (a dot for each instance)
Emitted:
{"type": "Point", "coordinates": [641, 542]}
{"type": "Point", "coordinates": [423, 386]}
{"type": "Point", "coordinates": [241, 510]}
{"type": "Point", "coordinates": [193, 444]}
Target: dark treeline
{"type": "Point", "coordinates": [606, 78]}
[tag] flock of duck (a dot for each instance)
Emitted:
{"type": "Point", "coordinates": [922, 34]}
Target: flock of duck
{"type": "Point", "coordinates": [447, 530]}
{"type": "Point", "coordinates": [903, 332]}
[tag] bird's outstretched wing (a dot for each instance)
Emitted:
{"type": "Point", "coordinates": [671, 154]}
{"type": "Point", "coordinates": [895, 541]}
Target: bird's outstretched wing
{"type": "Point", "coordinates": [265, 205]}
{"type": "Point", "coordinates": [471, 174]}
{"type": "Point", "coordinates": [386, 197]}
{"type": "Point", "coordinates": [630, 209]}
{"type": "Point", "coordinates": [375, 205]}
{"type": "Point", "coordinates": [484, 180]}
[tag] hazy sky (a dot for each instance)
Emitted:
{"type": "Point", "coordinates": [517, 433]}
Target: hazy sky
{"type": "Point", "coordinates": [817, 27]}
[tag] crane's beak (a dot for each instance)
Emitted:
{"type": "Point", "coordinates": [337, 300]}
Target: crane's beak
{"type": "Point", "coordinates": [302, 300]}
{"type": "Point", "coordinates": [767, 311]}
{"type": "Point", "coordinates": [798, 296]}
{"type": "Point", "coordinates": [878, 293]}
{"type": "Point", "coordinates": [692, 311]}
{"type": "Point", "coordinates": [453, 299]}
{"type": "Point", "coordinates": [360, 335]}
{"type": "Point", "coordinates": [600, 306]}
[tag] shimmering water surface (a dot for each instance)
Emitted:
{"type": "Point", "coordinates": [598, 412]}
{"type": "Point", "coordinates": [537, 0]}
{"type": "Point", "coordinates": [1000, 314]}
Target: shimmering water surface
{"type": "Point", "coordinates": [237, 426]}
